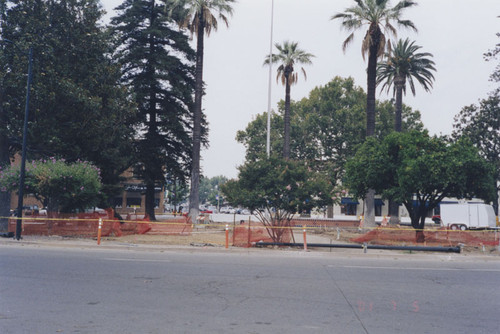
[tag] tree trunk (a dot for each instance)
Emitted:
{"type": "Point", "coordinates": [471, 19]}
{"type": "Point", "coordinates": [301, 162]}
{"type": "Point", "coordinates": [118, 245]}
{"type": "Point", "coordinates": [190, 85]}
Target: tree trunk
{"type": "Point", "coordinates": [4, 162]}
{"type": "Point", "coordinates": [370, 115]}
{"type": "Point", "coordinates": [393, 212]}
{"type": "Point", "coordinates": [420, 237]}
{"type": "Point", "coordinates": [286, 134]}
{"type": "Point", "coordinates": [418, 222]}
{"type": "Point", "coordinates": [495, 202]}
{"type": "Point", "coordinates": [399, 82]}
{"type": "Point", "coordinates": [150, 201]}
{"type": "Point", "coordinates": [371, 85]}
{"type": "Point", "coordinates": [369, 215]}
{"type": "Point", "coordinates": [194, 197]}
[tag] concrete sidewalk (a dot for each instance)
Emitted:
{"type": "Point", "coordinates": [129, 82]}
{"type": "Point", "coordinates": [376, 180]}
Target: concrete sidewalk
{"type": "Point", "coordinates": [57, 242]}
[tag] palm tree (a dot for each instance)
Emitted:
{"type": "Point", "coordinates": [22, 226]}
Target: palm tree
{"type": "Point", "coordinates": [289, 55]}
{"type": "Point", "coordinates": [402, 65]}
{"type": "Point", "coordinates": [377, 15]}
{"type": "Point", "coordinates": [200, 17]}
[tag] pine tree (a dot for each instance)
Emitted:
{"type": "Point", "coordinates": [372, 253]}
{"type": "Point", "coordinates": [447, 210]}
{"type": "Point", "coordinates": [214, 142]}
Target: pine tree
{"type": "Point", "coordinates": [78, 109]}
{"type": "Point", "coordinates": [158, 67]}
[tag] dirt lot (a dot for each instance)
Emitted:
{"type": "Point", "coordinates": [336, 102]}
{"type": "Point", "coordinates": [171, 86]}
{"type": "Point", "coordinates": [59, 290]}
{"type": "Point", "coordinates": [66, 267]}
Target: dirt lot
{"type": "Point", "coordinates": [216, 237]}
{"type": "Point", "coordinates": [210, 238]}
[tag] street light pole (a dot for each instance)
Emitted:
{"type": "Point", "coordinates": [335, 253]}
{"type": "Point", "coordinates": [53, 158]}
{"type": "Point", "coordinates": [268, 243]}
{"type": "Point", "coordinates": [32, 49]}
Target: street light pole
{"type": "Point", "coordinates": [268, 142]}
{"type": "Point", "coordinates": [218, 198]}
{"type": "Point", "coordinates": [23, 154]}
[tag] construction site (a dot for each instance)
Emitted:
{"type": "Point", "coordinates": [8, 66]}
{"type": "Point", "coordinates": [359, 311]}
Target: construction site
{"type": "Point", "coordinates": [247, 231]}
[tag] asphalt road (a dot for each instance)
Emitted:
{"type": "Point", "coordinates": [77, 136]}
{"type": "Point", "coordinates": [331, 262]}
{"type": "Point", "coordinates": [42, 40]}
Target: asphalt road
{"type": "Point", "coordinates": [117, 290]}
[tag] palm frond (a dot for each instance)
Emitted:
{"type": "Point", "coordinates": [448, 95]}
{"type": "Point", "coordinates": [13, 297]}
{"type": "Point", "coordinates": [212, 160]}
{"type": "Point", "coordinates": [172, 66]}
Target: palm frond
{"type": "Point", "coordinates": [365, 46]}
{"type": "Point", "coordinates": [407, 24]}
{"type": "Point", "coordinates": [288, 55]}
{"type": "Point", "coordinates": [373, 13]}
{"type": "Point", "coordinates": [201, 12]}
{"type": "Point", "coordinates": [347, 42]}
{"type": "Point", "coordinates": [406, 61]}
{"type": "Point", "coordinates": [381, 46]}
{"type": "Point", "coordinates": [404, 4]}
{"type": "Point", "coordinates": [304, 73]}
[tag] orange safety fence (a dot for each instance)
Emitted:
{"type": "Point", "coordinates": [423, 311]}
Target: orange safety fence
{"type": "Point", "coordinates": [245, 234]}
{"type": "Point", "coordinates": [172, 226]}
{"type": "Point", "coordinates": [323, 223]}
{"type": "Point", "coordinates": [248, 233]}
{"type": "Point", "coordinates": [442, 236]}
{"type": "Point", "coordinates": [86, 224]}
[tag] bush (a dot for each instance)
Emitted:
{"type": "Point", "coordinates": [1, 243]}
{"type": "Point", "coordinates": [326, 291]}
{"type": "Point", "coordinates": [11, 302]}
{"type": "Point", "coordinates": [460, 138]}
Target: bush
{"type": "Point", "coordinates": [60, 186]}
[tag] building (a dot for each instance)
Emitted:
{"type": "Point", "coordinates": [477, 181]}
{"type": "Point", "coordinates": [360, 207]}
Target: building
{"type": "Point", "coordinates": [133, 198]}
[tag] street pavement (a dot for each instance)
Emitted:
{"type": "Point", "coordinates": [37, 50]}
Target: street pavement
{"type": "Point", "coordinates": [56, 285]}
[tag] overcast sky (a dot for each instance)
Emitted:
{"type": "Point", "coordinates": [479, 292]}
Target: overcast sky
{"type": "Point", "coordinates": [456, 32]}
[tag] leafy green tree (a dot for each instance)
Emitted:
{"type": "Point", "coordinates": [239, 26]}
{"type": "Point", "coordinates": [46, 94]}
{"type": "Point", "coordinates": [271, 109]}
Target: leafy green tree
{"type": "Point", "coordinates": [275, 189]}
{"type": "Point", "coordinates": [60, 186]}
{"type": "Point", "coordinates": [289, 55]}
{"type": "Point", "coordinates": [199, 16]}
{"type": "Point", "coordinates": [327, 126]}
{"type": "Point", "coordinates": [254, 136]}
{"type": "Point", "coordinates": [481, 124]}
{"type": "Point", "coordinates": [375, 14]}
{"type": "Point", "coordinates": [78, 109]}
{"type": "Point", "coordinates": [210, 190]}
{"type": "Point", "coordinates": [492, 55]}
{"type": "Point", "coordinates": [177, 193]}
{"type": "Point", "coordinates": [157, 64]}
{"type": "Point", "coordinates": [419, 171]}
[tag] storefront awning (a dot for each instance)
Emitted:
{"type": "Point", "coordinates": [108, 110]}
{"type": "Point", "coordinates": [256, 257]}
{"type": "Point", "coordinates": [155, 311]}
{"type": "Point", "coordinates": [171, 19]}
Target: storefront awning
{"type": "Point", "coordinates": [348, 200]}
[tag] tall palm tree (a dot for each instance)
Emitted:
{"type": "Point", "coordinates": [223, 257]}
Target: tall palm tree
{"type": "Point", "coordinates": [379, 17]}
{"type": "Point", "coordinates": [402, 65]}
{"type": "Point", "coordinates": [200, 17]}
{"type": "Point", "coordinates": [289, 55]}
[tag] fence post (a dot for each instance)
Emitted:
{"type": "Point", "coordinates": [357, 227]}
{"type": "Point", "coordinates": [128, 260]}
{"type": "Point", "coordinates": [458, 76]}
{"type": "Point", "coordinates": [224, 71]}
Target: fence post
{"type": "Point", "coordinates": [227, 236]}
{"type": "Point", "coordinates": [99, 231]}
{"type": "Point", "coordinates": [249, 231]}
{"type": "Point", "coordinates": [305, 240]}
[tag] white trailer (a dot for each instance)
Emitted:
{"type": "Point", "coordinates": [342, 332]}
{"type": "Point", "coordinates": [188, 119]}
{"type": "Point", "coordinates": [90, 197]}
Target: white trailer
{"type": "Point", "coordinates": [468, 216]}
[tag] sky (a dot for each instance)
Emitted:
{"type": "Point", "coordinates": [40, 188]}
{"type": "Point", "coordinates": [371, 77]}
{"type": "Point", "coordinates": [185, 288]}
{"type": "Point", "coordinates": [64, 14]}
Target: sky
{"type": "Point", "coordinates": [456, 32]}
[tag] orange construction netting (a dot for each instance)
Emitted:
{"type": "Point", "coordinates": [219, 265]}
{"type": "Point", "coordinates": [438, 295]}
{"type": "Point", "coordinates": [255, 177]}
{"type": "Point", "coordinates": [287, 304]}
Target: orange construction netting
{"type": "Point", "coordinates": [87, 224]}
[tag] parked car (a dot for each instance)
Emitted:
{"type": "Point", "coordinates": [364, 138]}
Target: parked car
{"type": "Point", "coordinates": [28, 210]}
{"type": "Point", "coordinates": [212, 208]}
{"type": "Point", "coordinates": [225, 209]}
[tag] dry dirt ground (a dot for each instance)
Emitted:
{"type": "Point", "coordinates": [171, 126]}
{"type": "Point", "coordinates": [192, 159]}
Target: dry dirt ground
{"type": "Point", "coordinates": [216, 237]}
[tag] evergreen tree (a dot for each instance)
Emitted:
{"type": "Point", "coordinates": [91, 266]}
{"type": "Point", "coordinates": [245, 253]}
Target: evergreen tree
{"type": "Point", "coordinates": [78, 110]}
{"type": "Point", "coordinates": [158, 67]}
